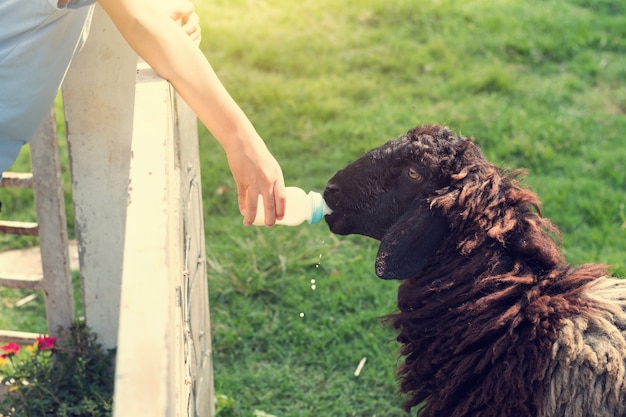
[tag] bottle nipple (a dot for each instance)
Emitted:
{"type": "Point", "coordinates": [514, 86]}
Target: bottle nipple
{"type": "Point", "coordinates": [319, 208]}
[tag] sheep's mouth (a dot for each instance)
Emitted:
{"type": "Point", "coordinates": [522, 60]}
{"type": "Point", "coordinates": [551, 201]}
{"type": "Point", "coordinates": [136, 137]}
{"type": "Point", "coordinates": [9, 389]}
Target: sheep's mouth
{"type": "Point", "coordinates": [337, 222]}
{"type": "Point", "coordinates": [344, 219]}
{"type": "Point", "coordinates": [349, 223]}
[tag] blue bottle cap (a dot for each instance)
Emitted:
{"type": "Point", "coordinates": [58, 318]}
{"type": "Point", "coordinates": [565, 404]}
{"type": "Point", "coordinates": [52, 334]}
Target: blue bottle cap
{"type": "Point", "coordinates": [317, 207]}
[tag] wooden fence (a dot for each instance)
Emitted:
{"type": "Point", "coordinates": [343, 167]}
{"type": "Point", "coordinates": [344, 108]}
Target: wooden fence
{"type": "Point", "coordinates": [164, 286]}
{"type": "Point", "coordinates": [136, 183]}
{"type": "Point", "coordinates": [133, 151]}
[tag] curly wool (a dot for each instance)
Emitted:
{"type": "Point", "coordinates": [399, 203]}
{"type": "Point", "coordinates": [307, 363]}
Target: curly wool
{"type": "Point", "coordinates": [587, 376]}
{"type": "Point", "coordinates": [500, 325]}
{"type": "Point", "coordinates": [506, 307]}
{"type": "Point", "coordinates": [492, 319]}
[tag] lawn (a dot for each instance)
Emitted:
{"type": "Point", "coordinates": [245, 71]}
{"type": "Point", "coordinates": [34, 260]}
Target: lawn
{"type": "Point", "coordinates": [540, 85]}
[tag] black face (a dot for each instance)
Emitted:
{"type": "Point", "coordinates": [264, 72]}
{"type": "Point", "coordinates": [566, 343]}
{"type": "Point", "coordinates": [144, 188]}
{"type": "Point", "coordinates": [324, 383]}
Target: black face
{"type": "Point", "coordinates": [387, 195]}
{"type": "Point", "coordinates": [371, 194]}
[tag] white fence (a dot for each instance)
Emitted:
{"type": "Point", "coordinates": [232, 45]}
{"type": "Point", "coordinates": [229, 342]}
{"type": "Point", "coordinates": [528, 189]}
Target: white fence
{"type": "Point", "coordinates": [133, 152]}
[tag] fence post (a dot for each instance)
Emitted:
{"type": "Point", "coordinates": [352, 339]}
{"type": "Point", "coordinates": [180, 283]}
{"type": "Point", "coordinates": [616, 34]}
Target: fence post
{"type": "Point", "coordinates": [50, 206]}
{"type": "Point", "coordinates": [138, 212]}
{"type": "Point", "coordinates": [196, 320]}
{"type": "Point", "coordinates": [98, 100]}
{"type": "Point", "coordinates": [164, 351]}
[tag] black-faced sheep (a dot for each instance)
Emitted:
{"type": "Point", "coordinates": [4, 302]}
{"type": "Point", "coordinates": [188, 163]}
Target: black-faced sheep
{"type": "Point", "coordinates": [492, 320]}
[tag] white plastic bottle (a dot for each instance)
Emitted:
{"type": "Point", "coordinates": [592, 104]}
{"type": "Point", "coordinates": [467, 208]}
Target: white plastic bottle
{"type": "Point", "coordinates": [300, 207]}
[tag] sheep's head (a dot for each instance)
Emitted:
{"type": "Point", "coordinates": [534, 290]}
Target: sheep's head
{"type": "Point", "coordinates": [430, 184]}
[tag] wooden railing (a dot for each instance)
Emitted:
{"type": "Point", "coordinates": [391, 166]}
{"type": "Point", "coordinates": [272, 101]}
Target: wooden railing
{"type": "Point", "coordinates": [133, 152]}
{"type": "Point", "coordinates": [56, 279]}
{"type": "Point", "coordinates": [164, 350]}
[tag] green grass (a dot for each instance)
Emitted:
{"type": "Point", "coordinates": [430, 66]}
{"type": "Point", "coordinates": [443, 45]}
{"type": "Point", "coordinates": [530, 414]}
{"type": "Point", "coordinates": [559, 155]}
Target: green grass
{"type": "Point", "coordinates": [540, 85]}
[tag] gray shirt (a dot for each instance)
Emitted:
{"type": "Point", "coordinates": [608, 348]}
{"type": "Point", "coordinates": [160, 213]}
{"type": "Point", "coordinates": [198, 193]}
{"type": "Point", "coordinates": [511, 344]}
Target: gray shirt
{"type": "Point", "coordinates": [37, 43]}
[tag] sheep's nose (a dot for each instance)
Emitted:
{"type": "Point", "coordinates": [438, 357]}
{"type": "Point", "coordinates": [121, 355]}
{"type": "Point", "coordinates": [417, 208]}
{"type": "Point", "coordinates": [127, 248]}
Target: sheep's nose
{"type": "Point", "coordinates": [331, 192]}
{"type": "Point", "coordinates": [331, 188]}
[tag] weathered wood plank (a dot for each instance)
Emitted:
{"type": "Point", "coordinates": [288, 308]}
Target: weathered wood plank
{"type": "Point", "coordinates": [198, 361]}
{"type": "Point", "coordinates": [17, 180]}
{"type": "Point", "coordinates": [164, 265]}
{"type": "Point", "coordinates": [98, 99]}
{"type": "Point", "coordinates": [50, 206]}
{"type": "Point", "coordinates": [24, 281]}
{"type": "Point", "coordinates": [147, 381]}
{"type": "Point", "coordinates": [22, 338]}
{"type": "Point", "coordinates": [19, 228]}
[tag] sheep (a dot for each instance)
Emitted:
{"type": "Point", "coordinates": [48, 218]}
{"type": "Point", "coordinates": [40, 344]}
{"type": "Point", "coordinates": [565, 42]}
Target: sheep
{"type": "Point", "coordinates": [492, 320]}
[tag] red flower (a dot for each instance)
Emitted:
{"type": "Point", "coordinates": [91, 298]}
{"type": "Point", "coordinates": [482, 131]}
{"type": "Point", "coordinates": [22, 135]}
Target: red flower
{"type": "Point", "coordinates": [10, 349]}
{"type": "Point", "coordinates": [45, 342]}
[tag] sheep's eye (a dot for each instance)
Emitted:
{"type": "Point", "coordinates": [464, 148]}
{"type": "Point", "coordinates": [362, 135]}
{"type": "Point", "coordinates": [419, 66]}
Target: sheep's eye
{"type": "Point", "coordinates": [413, 174]}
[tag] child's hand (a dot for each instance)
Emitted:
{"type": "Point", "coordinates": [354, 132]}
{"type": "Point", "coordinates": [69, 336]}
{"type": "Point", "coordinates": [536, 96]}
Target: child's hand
{"type": "Point", "coordinates": [256, 172]}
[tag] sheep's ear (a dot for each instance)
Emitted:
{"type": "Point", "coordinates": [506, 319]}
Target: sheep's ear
{"type": "Point", "coordinates": [410, 243]}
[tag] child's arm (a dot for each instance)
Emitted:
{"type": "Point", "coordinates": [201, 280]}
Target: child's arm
{"type": "Point", "coordinates": [160, 41]}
